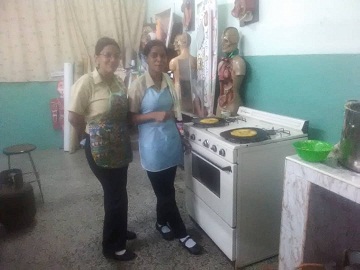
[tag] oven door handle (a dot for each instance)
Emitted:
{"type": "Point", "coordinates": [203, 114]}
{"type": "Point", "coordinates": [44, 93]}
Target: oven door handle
{"type": "Point", "coordinates": [225, 169]}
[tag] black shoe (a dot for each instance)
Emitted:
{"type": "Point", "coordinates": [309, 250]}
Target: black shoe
{"type": "Point", "coordinates": [130, 235]}
{"type": "Point", "coordinates": [127, 256]}
{"type": "Point", "coordinates": [195, 250]}
{"type": "Point", "coordinates": [166, 235]}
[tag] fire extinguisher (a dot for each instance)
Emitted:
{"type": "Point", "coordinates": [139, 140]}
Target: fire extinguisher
{"type": "Point", "coordinates": [57, 113]}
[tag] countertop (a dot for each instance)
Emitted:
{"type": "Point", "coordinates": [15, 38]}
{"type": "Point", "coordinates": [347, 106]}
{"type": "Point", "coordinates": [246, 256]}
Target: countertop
{"type": "Point", "coordinates": [330, 175]}
{"type": "Point", "coordinates": [320, 212]}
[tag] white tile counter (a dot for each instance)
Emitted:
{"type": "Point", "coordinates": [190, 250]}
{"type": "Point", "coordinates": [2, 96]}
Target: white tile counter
{"type": "Point", "coordinates": [320, 212]}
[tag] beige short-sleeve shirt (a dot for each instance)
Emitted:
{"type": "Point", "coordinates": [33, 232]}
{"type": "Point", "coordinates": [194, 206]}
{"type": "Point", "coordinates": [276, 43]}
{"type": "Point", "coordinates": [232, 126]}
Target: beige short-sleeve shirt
{"type": "Point", "coordinates": [138, 88]}
{"type": "Point", "coordinates": [90, 95]}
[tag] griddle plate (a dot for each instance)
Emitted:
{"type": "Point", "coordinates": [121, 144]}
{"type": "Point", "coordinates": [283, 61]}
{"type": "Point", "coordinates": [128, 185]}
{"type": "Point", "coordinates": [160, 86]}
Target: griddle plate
{"type": "Point", "coordinates": [261, 135]}
{"type": "Point", "coordinates": [197, 122]}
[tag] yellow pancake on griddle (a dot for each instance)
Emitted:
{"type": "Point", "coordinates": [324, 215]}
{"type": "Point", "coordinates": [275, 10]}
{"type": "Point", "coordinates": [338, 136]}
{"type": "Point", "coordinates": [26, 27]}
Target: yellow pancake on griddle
{"type": "Point", "coordinates": [209, 121]}
{"type": "Point", "coordinates": [245, 132]}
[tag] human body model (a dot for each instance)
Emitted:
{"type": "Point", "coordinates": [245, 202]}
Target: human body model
{"type": "Point", "coordinates": [184, 69]}
{"type": "Point", "coordinates": [231, 72]}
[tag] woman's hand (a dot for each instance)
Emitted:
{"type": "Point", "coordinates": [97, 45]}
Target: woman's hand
{"type": "Point", "coordinates": [186, 146]}
{"type": "Point", "coordinates": [78, 122]}
{"type": "Point", "coordinates": [138, 118]}
{"type": "Point", "coordinates": [163, 116]}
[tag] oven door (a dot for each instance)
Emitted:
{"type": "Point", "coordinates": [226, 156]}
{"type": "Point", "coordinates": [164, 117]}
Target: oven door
{"type": "Point", "coordinates": [213, 180]}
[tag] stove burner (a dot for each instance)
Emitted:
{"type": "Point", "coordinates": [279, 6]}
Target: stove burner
{"type": "Point", "coordinates": [235, 119]}
{"type": "Point", "coordinates": [280, 131]}
{"type": "Point", "coordinates": [261, 135]}
{"type": "Point", "coordinates": [270, 131]}
{"type": "Point", "coordinates": [240, 118]}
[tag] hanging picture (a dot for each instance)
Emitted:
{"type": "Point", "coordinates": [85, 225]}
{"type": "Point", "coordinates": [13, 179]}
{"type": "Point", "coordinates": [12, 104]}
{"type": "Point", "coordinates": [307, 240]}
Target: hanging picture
{"type": "Point", "coordinates": [187, 8]}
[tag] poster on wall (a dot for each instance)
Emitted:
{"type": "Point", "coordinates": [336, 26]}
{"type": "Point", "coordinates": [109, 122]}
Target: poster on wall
{"type": "Point", "coordinates": [206, 42]}
{"type": "Point", "coordinates": [188, 8]}
{"type": "Point", "coordinates": [168, 25]}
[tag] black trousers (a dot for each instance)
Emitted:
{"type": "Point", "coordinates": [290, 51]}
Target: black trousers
{"type": "Point", "coordinates": [113, 182]}
{"type": "Point", "coordinates": [166, 208]}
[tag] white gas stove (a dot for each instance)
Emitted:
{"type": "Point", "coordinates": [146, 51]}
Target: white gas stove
{"type": "Point", "coordinates": [234, 188]}
{"type": "Point", "coordinates": [278, 127]}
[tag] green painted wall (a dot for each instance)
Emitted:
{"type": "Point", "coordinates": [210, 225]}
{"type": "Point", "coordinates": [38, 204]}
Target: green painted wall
{"type": "Point", "coordinates": [25, 115]}
{"type": "Point", "coordinates": [312, 87]}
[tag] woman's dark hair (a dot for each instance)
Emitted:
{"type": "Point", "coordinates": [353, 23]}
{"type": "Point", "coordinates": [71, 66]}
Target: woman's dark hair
{"type": "Point", "coordinates": [103, 42]}
{"type": "Point", "coordinates": [153, 43]}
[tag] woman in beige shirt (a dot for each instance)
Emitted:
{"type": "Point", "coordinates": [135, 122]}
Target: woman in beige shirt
{"type": "Point", "coordinates": [99, 107]}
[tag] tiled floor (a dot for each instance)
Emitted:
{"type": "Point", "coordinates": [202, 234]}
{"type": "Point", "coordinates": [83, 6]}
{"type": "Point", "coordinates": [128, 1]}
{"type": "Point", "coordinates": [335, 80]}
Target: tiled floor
{"type": "Point", "coordinates": [67, 231]}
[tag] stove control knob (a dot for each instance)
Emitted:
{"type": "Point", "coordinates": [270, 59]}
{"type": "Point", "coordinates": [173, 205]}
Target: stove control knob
{"type": "Point", "coordinates": [222, 152]}
{"type": "Point", "coordinates": [192, 137]}
{"type": "Point", "coordinates": [214, 148]}
{"type": "Point", "coordinates": [206, 143]}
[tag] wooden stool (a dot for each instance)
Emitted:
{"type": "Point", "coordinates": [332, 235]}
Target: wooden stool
{"type": "Point", "coordinates": [24, 149]}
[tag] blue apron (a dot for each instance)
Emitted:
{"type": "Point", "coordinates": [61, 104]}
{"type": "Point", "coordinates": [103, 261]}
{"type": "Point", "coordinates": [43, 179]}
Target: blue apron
{"type": "Point", "coordinates": [159, 142]}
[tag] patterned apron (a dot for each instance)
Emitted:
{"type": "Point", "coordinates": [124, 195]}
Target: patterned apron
{"type": "Point", "coordinates": [109, 136]}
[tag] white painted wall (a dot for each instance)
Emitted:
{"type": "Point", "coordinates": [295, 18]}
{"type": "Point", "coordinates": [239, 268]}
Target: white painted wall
{"type": "Point", "coordinates": [304, 27]}
{"type": "Point", "coordinates": [290, 27]}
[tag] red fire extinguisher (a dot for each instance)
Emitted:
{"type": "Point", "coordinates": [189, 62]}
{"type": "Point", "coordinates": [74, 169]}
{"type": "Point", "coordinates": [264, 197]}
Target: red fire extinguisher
{"type": "Point", "coordinates": [57, 113]}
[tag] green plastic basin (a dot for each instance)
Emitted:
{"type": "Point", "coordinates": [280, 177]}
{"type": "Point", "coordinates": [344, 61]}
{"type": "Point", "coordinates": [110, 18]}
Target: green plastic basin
{"type": "Point", "coordinates": [313, 150]}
